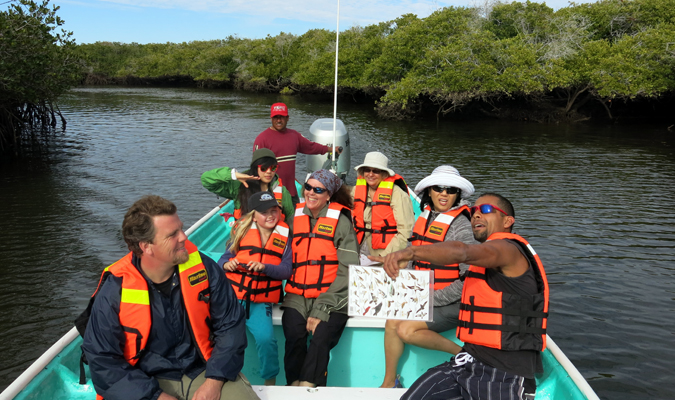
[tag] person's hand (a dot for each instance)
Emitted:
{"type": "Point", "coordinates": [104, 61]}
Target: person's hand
{"type": "Point", "coordinates": [243, 178]}
{"type": "Point", "coordinates": [393, 262]}
{"type": "Point", "coordinates": [231, 265]}
{"type": "Point", "coordinates": [255, 266]}
{"type": "Point", "coordinates": [166, 396]}
{"type": "Point", "coordinates": [339, 150]}
{"type": "Point", "coordinates": [209, 390]}
{"type": "Point", "coordinates": [312, 323]}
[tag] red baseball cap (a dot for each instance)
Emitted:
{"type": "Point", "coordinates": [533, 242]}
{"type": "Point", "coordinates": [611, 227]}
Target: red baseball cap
{"type": "Point", "coordinates": [279, 109]}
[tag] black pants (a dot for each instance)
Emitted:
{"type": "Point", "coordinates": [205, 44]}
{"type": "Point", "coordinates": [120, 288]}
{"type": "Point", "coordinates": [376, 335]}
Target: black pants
{"type": "Point", "coordinates": [309, 364]}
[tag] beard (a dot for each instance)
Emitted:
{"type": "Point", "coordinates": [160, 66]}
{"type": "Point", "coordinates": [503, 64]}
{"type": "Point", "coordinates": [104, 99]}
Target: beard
{"type": "Point", "coordinates": [480, 236]}
{"type": "Point", "coordinates": [181, 257]}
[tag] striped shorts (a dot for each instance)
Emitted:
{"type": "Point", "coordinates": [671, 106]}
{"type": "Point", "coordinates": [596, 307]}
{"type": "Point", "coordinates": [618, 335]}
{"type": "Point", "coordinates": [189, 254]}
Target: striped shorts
{"type": "Point", "coordinates": [464, 378]}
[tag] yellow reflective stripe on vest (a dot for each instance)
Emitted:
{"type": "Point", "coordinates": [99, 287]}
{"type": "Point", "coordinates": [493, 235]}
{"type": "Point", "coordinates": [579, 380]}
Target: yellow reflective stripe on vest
{"type": "Point", "coordinates": [194, 260]}
{"type": "Point", "coordinates": [386, 185]}
{"type": "Point", "coordinates": [360, 181]}
{"type": "Point", "coordinates": [135, 296]}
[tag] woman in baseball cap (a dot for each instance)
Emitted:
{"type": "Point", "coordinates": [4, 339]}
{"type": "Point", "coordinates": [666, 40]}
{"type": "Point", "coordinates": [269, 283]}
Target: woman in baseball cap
{"type": "Point", "coordinates": [257, 260]}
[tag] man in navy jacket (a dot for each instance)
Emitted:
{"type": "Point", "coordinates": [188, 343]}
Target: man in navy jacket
{"type": "Point", "coordinates": [193, 346]}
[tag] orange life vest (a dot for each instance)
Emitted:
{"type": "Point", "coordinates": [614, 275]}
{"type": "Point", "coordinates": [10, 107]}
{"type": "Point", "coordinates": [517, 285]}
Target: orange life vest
{"type": "Point", "coordinates": [382, 224]}
{"type": "Point", "coordinates": [501, 320]}
{"type": "Point", "coordinates": [278, 195]}
{"type": "Point", "coordinates": [315, 261]}
{"type": "Point", "coordinates": [135, 303]}
{"type": "Point", "coordinates": [256, 286]}
{"type": "Point", "coordinates": [435, 233]}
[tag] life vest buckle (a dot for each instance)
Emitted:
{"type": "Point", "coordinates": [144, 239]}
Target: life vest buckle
{"type": "Point", "coordinates": [205, 296]}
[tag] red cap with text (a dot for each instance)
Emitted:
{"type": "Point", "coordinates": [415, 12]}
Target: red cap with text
{"type": "Point", "coordinates": [279, 109]}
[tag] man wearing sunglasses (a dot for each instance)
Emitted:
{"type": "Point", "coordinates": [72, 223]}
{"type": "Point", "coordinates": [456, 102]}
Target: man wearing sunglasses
{"type": "Point", "coordinates": [503, 310]}
{"type": "Point", "coordinates": [286, 143]}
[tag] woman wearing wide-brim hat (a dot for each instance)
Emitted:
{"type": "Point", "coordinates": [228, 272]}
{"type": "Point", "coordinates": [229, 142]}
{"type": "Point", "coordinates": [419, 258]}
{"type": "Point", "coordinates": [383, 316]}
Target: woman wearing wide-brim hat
{"type": "Point", "coordinates": [239, 186]}
{"type": "Point", "coordinates": [383, 213]}
{"type": "Point", "coordinates": [445, 216]}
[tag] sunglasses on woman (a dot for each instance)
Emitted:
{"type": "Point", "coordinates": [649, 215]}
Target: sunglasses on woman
{"type": "Point", "coordinates": [369, 170]}
{"type": "Point", "coordinates": [273, 168]}
{"type": "Point", "coordinates": [316, 189]}
{"type": "Point", "coordinates": [447, 189]}
{"type": "Point", "coordinates": [486, 209]}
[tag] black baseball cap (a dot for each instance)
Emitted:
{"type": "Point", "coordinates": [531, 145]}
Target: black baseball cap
{"type": "Point", "coordinates": [262, 201]}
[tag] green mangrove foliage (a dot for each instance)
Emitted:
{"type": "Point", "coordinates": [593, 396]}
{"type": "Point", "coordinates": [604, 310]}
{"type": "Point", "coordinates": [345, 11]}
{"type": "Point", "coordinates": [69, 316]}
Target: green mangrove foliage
{"type": "Point", "coordinates": [37, 65]}
{"type": "Point", "coordinates": [597, 52]}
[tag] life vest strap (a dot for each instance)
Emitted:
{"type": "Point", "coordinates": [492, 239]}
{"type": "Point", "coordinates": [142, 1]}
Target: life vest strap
{"type": "Point", "coordinates": [424, 265]}
{"type": "Point", "coordinates": [308, 286]}
{"type": "Point", "coordinates": [386, 229]}
{"type": "Point", "coordinates": [505, 311]}
{"type": "Point", "coordinates": [310, 235]}
{"type": "Point", "coordinates": [422, 238]}
{"type": "Point", "coordinates": [259, 250]}
{"type": "Point", "coordinates": [138, 340]}
{"type": "Point", "coordinates": [474, 274]}
{"type": "Point", "coordinates": [502, 328]}
{"type": "Point", "coordinates": [362, 229]}
{"type": "Point", "coordinates": [315, 262]}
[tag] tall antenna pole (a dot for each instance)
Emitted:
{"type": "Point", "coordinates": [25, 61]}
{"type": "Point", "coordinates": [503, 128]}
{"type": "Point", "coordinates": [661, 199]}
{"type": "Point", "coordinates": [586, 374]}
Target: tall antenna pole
{"type": "Point", "coordinates": [337, 48]}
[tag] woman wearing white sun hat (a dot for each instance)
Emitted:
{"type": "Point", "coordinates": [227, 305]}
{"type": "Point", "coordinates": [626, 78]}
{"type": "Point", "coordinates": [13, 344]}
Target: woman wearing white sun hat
{"type": "Point", "coordinates": [445, 216]}
{"type": "Point", "coordinates": [383, 213]}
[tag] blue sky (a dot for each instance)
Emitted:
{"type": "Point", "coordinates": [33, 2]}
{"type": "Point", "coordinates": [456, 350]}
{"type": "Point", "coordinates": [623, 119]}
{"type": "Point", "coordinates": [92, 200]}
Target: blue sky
{"type": "Point", "coordinates": [159, 21]}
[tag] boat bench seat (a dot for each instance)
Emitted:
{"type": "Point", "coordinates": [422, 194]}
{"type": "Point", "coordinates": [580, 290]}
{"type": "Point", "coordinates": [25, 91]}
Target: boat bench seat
{"type": "Point", "coordinates": [353, 322]}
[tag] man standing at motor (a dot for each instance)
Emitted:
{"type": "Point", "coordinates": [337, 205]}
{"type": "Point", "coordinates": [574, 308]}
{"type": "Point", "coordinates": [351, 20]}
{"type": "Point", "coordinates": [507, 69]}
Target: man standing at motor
{"type": "Point", "coordinates": [286, 143]}
{"type": "Point", "coordinates": [165, 323]}
{"type": "Point", "coordinates": [503, 310]}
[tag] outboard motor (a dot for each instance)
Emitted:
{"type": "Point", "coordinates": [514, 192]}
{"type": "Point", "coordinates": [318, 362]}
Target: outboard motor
{"type": "Point", "coordinates": [321, 131]}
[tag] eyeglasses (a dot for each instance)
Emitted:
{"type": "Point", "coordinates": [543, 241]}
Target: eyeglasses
{"type": "Point", "coordinates": [316, 189]}
{"type": "Point", "coordinates": [447, 189]}
{"type": "Point", "coordinates": [273, 168]}
{"type": "Point", "coordinates": [373, 170]}
{"type": "Point", "coordinates": [486, 209]}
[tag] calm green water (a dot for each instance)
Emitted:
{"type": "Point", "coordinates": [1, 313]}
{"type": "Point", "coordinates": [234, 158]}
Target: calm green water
{"type": "Point", "coordinates": [597, 204]}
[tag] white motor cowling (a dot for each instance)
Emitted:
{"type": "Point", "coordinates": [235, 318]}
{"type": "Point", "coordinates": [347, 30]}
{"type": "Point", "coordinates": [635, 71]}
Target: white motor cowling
{"type": "Point", "coordinates": [321, 131]}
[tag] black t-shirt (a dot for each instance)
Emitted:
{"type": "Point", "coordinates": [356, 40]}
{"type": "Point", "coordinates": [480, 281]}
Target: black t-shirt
{"type": "Point", "coordinates": [165, 287]}
{"type": "Point", "coordinates": [523, 362]}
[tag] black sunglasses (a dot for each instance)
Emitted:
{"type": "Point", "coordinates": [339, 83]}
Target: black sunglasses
{"type": "Point", "coordinates": [316, 189]}
{"type": "Point", "coordinates": [447, 189]}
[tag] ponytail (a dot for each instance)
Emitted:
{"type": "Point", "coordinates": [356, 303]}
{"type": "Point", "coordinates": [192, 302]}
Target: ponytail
{"type": "Point", "coordinates": [240, 229]}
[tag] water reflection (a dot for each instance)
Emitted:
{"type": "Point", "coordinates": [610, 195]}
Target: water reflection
{"type": "Point", "coordinates": [596, 203]}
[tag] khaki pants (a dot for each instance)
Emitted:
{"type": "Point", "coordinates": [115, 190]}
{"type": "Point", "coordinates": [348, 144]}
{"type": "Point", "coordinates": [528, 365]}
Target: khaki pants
{"type": "Point", "coordinates": [184, 389]}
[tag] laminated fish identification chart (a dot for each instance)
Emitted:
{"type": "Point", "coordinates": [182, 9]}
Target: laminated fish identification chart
{"type": "Point", "coordinates": [373, 294]}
